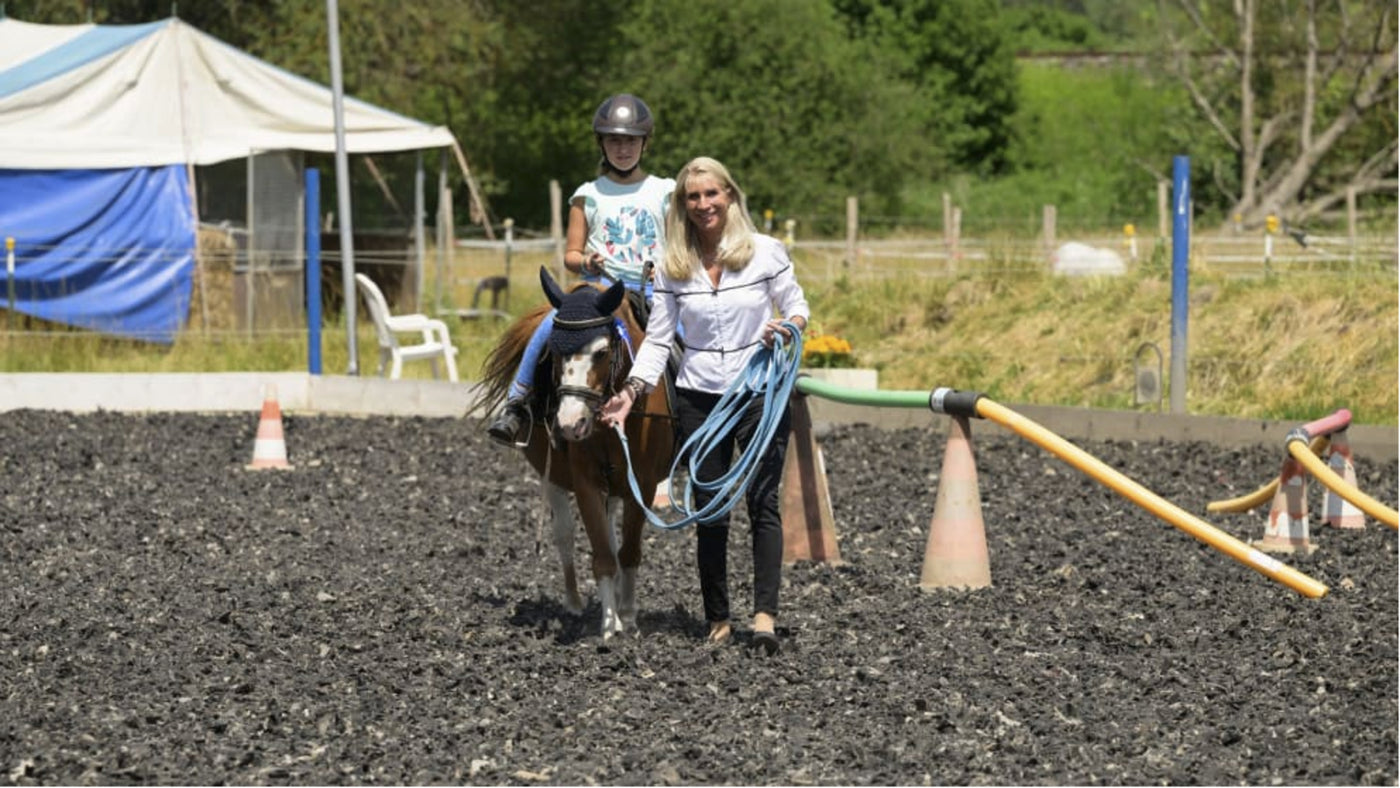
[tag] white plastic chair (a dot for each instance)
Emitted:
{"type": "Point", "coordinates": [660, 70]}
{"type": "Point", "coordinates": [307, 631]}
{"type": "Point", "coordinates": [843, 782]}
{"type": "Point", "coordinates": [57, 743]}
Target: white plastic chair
{"type": "Point", "coordinates": [436, 344]}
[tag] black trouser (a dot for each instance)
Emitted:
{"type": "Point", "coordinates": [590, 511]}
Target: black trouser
{"type": "Point", "coordinates": [712, 538]}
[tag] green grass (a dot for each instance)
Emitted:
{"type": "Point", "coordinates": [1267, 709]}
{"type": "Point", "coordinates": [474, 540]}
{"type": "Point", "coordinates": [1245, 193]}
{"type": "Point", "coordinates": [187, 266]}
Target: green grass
{"type": "Point", "coordinates": [1290, 347]}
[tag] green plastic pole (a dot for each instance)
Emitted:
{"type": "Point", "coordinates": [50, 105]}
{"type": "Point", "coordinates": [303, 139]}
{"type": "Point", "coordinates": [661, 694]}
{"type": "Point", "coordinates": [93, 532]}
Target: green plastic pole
{"type": "Point", "coordinates": [850, 396]}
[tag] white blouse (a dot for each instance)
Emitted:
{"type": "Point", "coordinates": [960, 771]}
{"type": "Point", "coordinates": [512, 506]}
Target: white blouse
{"type": "Point", "coordinates": [721, 326]}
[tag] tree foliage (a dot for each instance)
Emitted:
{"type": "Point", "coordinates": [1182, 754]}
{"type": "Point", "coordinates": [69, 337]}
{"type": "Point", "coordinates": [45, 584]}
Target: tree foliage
{"type": "Point", "coordinates": [956, 56]}
{"type": "Point", "coordinates": [776, 90]}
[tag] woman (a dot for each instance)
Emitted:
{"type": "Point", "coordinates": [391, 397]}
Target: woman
{"type": "Point", "coordinates": [616, 225]}
{"type": "Point", "coordinates": [719, 284]}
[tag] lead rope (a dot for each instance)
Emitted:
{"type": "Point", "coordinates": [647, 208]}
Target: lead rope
{"type": "Point", "coordinates": [771, 374]}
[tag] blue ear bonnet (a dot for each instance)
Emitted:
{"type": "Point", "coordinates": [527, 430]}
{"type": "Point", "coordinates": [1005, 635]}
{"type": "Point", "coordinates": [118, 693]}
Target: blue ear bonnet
{"type": "Point", "coordinates": [579, 306]}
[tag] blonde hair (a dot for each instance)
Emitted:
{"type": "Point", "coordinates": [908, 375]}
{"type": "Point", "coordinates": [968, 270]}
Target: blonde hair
{"type": "Point", "coordinates": [682, 260]}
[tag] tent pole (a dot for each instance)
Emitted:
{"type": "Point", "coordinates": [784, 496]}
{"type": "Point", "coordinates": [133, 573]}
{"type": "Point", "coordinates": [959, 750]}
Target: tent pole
{"type": "Point", "coordinates": [249, 254]}
{"type": "Point", "coordinates": [342, 188]}
{"type": "Point", "coordinates": [198, 251]}
{"type": "Point", "coordinates": [471, 187]}
{"type": "Point", "coordinates": [419, 243]}
{"type": "Point", "coordinates": [444, 222]}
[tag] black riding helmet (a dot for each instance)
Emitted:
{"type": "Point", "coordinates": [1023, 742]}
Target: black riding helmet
{"type": "Point", "coordinates": [623, 114]}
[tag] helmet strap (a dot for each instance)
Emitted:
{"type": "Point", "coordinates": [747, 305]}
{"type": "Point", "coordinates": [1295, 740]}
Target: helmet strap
{"type": "Point", "coordinates": [607, 163]}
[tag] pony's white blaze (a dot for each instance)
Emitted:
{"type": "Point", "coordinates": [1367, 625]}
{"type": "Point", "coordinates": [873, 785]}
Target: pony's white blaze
{"type": "Point", "coordinates": [575, 418]}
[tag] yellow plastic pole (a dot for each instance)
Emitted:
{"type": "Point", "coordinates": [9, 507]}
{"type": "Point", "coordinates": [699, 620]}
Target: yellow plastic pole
{"type": "Point", "coordinates": [1214, 537]}
{"type": "Point", "coordinates": [1266, 493]}
{"type": "Point", "coordinates": [1323, 473]}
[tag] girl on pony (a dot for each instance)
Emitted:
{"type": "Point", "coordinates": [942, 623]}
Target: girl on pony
{"type": "Point", "coordinates": [616, 228]}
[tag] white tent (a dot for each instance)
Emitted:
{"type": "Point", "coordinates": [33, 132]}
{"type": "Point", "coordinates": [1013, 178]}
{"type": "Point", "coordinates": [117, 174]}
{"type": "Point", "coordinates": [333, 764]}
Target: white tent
{"type": "Point", "coordinates": [113, 96]}
{"type": "Point", "coordinates": [101, 130]}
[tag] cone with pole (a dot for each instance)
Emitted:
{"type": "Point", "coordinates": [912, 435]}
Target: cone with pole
{"type": "Point", "coordinates": [956, 553]}
{"type": "Point", "coordinates": [1341, 513]}
{"type": "Point", "coordinates": [809, 526]}
{"type": "Point", "coordinates": [269, 447]}
{"type": "Point", "coordinates": [1287, 531]}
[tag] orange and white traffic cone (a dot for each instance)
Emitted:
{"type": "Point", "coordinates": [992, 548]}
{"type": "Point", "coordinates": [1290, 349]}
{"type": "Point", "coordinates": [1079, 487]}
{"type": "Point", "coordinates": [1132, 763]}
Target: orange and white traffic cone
{"type": "Point", "coordinates": [1287, 531]}
{"type": "Point", "coordinates": [269, 448]}
{"type": "Point", "coordinates": [1342, 513]}
{"type": "Point", "coordinates": [956, 553]}
{"type": "Point", "coordinates": [809, 525]}
{"type": "Point", "coordinates": [662, 497]}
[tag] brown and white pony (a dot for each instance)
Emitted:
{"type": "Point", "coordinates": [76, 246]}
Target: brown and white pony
{"type": "Point", "coordinates": [588, 360]}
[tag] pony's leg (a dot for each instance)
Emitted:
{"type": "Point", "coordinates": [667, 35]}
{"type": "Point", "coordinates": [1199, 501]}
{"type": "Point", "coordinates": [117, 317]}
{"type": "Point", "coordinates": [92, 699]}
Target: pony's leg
{"type": "Point", "coordinates": [629, 558]}
{"type": "Point", "coordinates": [592, 507]}
{"type": "Point", "coordinates": [557, 500]}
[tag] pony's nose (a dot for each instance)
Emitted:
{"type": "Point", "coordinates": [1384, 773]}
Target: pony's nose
{"type": "Point", "coordinates": [576, 429]}
{"type": "Point", "coordinates": [574, 419]}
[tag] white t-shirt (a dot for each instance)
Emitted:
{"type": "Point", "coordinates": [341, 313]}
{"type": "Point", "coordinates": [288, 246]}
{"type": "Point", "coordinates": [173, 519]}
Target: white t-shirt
{"type": "Point", "coordinates": [626, 222]}
{"type": "Point", "coordinates": [722, 326]}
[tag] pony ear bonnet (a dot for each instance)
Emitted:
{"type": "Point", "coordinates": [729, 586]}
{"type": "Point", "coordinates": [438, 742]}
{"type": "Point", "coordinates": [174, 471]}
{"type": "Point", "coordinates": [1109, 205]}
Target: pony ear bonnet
{"type": "Point", "coordinates": [612, 298]}
{"type": "Point", "coordinates": [551, 288]}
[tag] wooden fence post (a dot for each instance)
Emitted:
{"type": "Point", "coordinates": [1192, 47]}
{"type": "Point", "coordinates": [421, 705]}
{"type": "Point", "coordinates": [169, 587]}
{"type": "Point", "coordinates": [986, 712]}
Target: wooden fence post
{"type": "Point", "coordinates": [947, 221]}
{"type": "Point", "coordinates": [556, 231]}
{"type": "Point", "coordinates": [1163, 210]}
{"type": "Point", "coordinates": [1351, 222]}
{"type": "Point", "coordinates": [852, 231]}
{"type": "Point", "coordinates": [1048, 236]}
{"type": "Point", "coordinates": [955, 251]}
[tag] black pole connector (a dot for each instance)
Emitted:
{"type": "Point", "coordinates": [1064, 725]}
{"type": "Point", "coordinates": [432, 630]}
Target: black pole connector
{"type": "Point", "coordinates": [953, 402]}
{"type": "Point", "coordinates": [1297, 434]}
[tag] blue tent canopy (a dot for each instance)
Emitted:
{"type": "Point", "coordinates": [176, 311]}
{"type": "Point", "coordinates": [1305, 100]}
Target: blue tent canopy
{"type": "Point", "coordinates": [108, 250]}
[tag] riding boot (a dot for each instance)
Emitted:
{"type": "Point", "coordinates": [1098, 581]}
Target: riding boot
{"type": "Point", "coordinates": [508, 426]}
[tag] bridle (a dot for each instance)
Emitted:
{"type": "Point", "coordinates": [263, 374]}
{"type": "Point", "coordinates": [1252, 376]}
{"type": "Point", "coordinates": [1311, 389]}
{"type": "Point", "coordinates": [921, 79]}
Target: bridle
{"type": "Point", "coordinates": [593, 397]}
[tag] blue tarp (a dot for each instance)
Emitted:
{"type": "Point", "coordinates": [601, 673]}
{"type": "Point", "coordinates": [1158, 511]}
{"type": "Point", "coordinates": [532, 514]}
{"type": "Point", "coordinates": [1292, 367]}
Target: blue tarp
{"type": "Point", "coordinates": [107, 250]}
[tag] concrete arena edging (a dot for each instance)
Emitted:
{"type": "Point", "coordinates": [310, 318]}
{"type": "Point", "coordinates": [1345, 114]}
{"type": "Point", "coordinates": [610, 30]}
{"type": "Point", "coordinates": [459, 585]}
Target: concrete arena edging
{"type": "Point", "coordinates": [302, 393]}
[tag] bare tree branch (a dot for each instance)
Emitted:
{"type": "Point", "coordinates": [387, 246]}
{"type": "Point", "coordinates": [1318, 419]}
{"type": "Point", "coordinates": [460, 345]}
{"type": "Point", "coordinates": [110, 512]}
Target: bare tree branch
{"type": "Point", "coordinates": [1194, 13]}
{"type": "Point", "coordinates": [1384, 159]}
{"type": "Point", "coordinates": [1269, 133]}
{"type": "Point", "coordinates": [1309, 79]}
{"type": "Point", "coordinates": [1342, 50]}
{"type": "Point", "coordinates": [1325, 203]}
{"type": "Point", "coordinates": [1219, 178]}
{"type": "Point", "coordinates": [1244, 12]}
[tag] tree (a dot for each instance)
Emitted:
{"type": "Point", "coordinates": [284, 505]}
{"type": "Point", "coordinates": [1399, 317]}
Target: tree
{"type": "Point", "coordinates": [1304, 101]}
{"type": "Point", "coordinates": [959, 58]}
{"type": "Point", "coordinates": [802, 114]}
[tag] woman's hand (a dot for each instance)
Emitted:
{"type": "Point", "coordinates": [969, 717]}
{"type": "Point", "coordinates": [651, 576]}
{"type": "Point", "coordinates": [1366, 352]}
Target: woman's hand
{"type": "Point", "coordinates": [592, 264]}
{"type": "Point", "coordinates": [775, 326]}
{"type": "Point", "coordinates": [616, 409]}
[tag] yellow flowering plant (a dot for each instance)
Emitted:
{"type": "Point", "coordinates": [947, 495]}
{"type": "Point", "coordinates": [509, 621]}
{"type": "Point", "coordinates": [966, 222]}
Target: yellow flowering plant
{"type": "Point", "coordinates": [826, 350]}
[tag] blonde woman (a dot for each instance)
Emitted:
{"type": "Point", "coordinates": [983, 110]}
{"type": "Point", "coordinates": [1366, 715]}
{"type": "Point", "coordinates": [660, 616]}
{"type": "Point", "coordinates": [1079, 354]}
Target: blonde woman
{"type": "Point", "coordinates": [728, 289]}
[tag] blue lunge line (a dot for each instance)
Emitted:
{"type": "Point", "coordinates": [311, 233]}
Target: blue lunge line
{"type": "Point", "coordinates": [770, 374]}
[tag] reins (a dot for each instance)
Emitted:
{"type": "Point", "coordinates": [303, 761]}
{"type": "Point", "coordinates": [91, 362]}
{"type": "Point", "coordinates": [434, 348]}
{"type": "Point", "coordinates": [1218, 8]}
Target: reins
{"type": "Point", "coordinates": [771, 374]}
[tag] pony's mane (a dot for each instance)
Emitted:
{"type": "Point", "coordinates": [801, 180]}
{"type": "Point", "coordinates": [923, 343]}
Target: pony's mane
{"type": "Point", "coordinates": [498, 369]}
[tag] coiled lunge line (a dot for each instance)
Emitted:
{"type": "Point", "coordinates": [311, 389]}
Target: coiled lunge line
{"type": "Point", "coordinates": [771, 374]}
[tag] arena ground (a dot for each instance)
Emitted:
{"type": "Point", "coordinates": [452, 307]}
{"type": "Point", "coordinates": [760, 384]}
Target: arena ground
{"type": "Point", "coordinates": [385, 613]}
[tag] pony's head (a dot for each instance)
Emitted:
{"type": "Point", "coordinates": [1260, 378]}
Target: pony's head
{"type": "Point", "coordinates": [590, 357]}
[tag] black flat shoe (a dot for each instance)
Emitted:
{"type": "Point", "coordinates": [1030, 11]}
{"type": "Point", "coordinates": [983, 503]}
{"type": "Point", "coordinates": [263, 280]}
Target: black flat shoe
{"type": "Point", "coordinates": [768, 641]}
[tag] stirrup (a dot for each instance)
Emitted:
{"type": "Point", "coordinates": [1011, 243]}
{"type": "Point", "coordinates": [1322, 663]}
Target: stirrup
{"type": "Point", "coordinates": [508, 426]}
